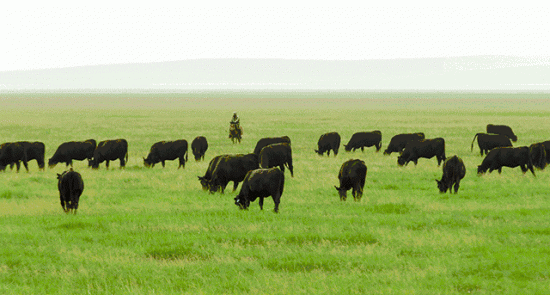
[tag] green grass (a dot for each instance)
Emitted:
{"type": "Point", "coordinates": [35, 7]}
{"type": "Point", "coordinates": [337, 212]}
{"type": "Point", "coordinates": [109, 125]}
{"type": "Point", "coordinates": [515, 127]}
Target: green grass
{"type": "Point", "coordinates": [144, 231]}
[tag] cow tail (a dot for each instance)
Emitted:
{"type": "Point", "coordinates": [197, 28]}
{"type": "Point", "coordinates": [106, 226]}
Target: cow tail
{"type": "Point", "coordinates": [472, 147]}
{"type": "Point", "coordinates": [126, 157]}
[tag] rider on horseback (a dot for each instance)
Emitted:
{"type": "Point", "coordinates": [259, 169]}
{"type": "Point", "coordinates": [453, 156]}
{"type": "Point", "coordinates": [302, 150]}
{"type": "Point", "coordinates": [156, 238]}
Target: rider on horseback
{"type": "Point", "coordinates": [234, 124]}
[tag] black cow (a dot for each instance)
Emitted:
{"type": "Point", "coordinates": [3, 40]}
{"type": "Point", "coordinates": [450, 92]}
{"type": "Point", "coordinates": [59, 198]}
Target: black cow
{"type": "Point", "coordinates": [167, 151]}
{"type": "Point", "coordinates": [110, 150]}
{"type": "Point", "coordinates": [502, 129]}
{"type": "Point", "coordinates": [488, 142]}
{"type": "Point", "coordinates": [426, 148]}
{"type": "Point", "coordinates": [352, 176]}
{"type": "Point", "coordinates": [231, 168]}
{"type": "Point", "coordinates": [73, 150]}
{"type": "Point", "coordinates": [13, 153]}
{"type": "Point", "coordinates": [364, 139]}
{"type": "Point", "coordinates": [278, 154]}
{"type": "Point", "coordinates": [269, 140]}
{"type": "Point", "coordinates": [208, 174]}
{"type": "Point", "coordinates": [261, 183]}
{"type": "Point", "coordinates": [328, 141]}
{"type": "Point", "coordinates": [399, 141]}
{"type": "Point", "coordinates": [70, 187]}
{"type": "Point", "coordinates": [453, 171]}
{"type": "Point", "coordinates": [33, 151]}
{"type": "Point", "coordinates": [199, 147]}
{"type": "Point", "coordinates": [537, 152]}
{"type": "Point", "coordinates": [507, 157]}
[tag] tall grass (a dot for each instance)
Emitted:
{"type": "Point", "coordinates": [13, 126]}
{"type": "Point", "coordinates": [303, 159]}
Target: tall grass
{"type": "Point", "coordinates": [146, 231]}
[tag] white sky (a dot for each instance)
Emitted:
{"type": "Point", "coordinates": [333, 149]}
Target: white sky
{"type": "Point", "coordinates": [47, 37]}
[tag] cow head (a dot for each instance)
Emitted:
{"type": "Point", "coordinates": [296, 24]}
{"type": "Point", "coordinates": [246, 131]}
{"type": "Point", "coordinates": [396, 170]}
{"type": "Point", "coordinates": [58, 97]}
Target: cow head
{"type": "Point", "coordinates": [341, 193]}
{"type": "Point", "coordinates": [480, 170]}
{"type": "Point", "coordinates": [146, 163]}
{"type": "Point", "coordinates": [442, 186]}
{"type": "Point", "coordinates": [204, 183]}
{"type": "Point", "coordinates": [347, 148]}
{"type": "Point", "coordinates": [401, 161]}
{"type": "Point", "coordinates": [242, 201]}
{"type": "Point", "coordinates": [51, 163]}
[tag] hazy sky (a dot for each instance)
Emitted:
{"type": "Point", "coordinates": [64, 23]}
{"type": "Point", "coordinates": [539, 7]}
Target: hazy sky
{"type": "Point", "coordinates": [50, 37]}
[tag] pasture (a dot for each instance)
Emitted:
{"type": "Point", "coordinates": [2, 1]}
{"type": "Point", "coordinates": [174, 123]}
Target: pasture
{"type": "Point", "coordinates": [144, 231]}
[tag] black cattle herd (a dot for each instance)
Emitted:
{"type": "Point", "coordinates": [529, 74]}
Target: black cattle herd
{"type": "Point", "coordinates": [262, 172]}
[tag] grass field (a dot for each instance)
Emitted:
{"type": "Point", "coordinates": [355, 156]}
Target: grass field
{"type": "Point", "coordinates": [145, 231]}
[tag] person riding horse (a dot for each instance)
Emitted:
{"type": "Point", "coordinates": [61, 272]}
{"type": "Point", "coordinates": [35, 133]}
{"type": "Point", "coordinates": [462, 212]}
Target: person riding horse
{"type": "Point", "coordinates": [234, 124]}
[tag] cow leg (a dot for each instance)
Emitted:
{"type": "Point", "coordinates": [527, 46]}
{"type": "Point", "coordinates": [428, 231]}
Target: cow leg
{"type": "Point", "coordinates": [456, 186]}
{"type": "Point", "coordinates": [276, 200]}
{"type": "Point", "coordinates": [282, 167]}
{"type": "Point", "coordinates": [18, 165]}
{"type": "Point", "coordinates": [523, 169]}
{"type": "Point", "coordinates": [162, 162]}
{"type": "Point", "coordinates": [261, 202]}
{"type": "Point", "coordinates": [26, 165]}
{"type": "Point", "coordinates": [235, 185]}
{"type": "Point", "coordinates": [107, 164]}
{"type": "Point", "coordinates": [328, 152]}
{"type": "Point", "coordinates": [362, 149]}
{"type": "Point", "coordinates": [122, 162]}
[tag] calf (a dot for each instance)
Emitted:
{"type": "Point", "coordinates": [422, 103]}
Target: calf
{"type": "Point", "coordinates": [488, 142]}
{"type": "Point", "coordinates": [110, 150]}
{"type": "Point", "coordinates": [507, 157]}
{"type": "Point", "coordinates": [453, 171]}
{"type": "Point", "coordinates": [427, 148]}
{"type": "Point", "coordinates": [73, 150]}
{"type": "Point", "coordinates": [70, 187]}
{"type": "Point", "coordinates": [328, 141]}
{"type": "Point", "coordinates": [261, 183]}
{"type": "Point", "coordinates": [364, 139]}
{"type": "Point", "coordinates": [352, 176]}
{"type": "Point", "coordinates": [399, 141]}
{"type": "Point", "coordinates": [279, 154]}
{"type": "Point", "coordinates": [199, 147]}
{"type": "Point", "coordinates": [167, 151]}
{"type": "Point", "coordinates": [502, 129]}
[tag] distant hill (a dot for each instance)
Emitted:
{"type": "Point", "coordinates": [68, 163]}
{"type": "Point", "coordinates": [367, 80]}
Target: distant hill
{"type": "Point", "coordinates": [450, 73]}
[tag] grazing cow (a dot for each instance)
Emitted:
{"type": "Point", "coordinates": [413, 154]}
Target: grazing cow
{"type": "Point", "coordinates": [199, 147]}
{"type": "Point", "coordinates": [208, 174]}
{"type": "Point", "coordinates": [502, 129]}
{"type": "Point", "coordinates": [364, 139]}
{"type": "Point", "coordinates": [488, 142]}
{"type": "Point", "coordinates": [269, 140]}
{"type": "Point", "coordinates": [328, 141]}
{"type": "Point", "coordinates": [399, 141]}
{"type": "Point", "coordinates": [278, 154]}
{"type": "Point", "coordinates": [453, 171]}
{"type": "Point", "coordinates": [73, 150]}
{"type": "Point", "coordinates": [33, 151]}
{"type": "Point", "coordinates": [231, 168]}
{"type": "Point", "coordinates": [12, 153]}
{"type": "Point", "coordinates": [507, 157]}
{"type": "Point", "coordinates": [110, 150]}
{"type": "Point", "coordinates": [426, 148]}
{"type": "Point", "coordinates": [70, 187]}
{"type": "Point", "coordinates": [261, 183]}
{"type": "Point", "coordinates": [352, 176]}
{"type": "Point", "coordinates": [537, 152]}
{"type": "Point", "coordinates": [166, 151]}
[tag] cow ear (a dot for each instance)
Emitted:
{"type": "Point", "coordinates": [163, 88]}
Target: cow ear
{"type": "Point", "coordinates": [337, 188]}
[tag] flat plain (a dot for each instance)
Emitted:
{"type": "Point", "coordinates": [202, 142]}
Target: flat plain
{"type": "Point", "coordinates": [145, 231]}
